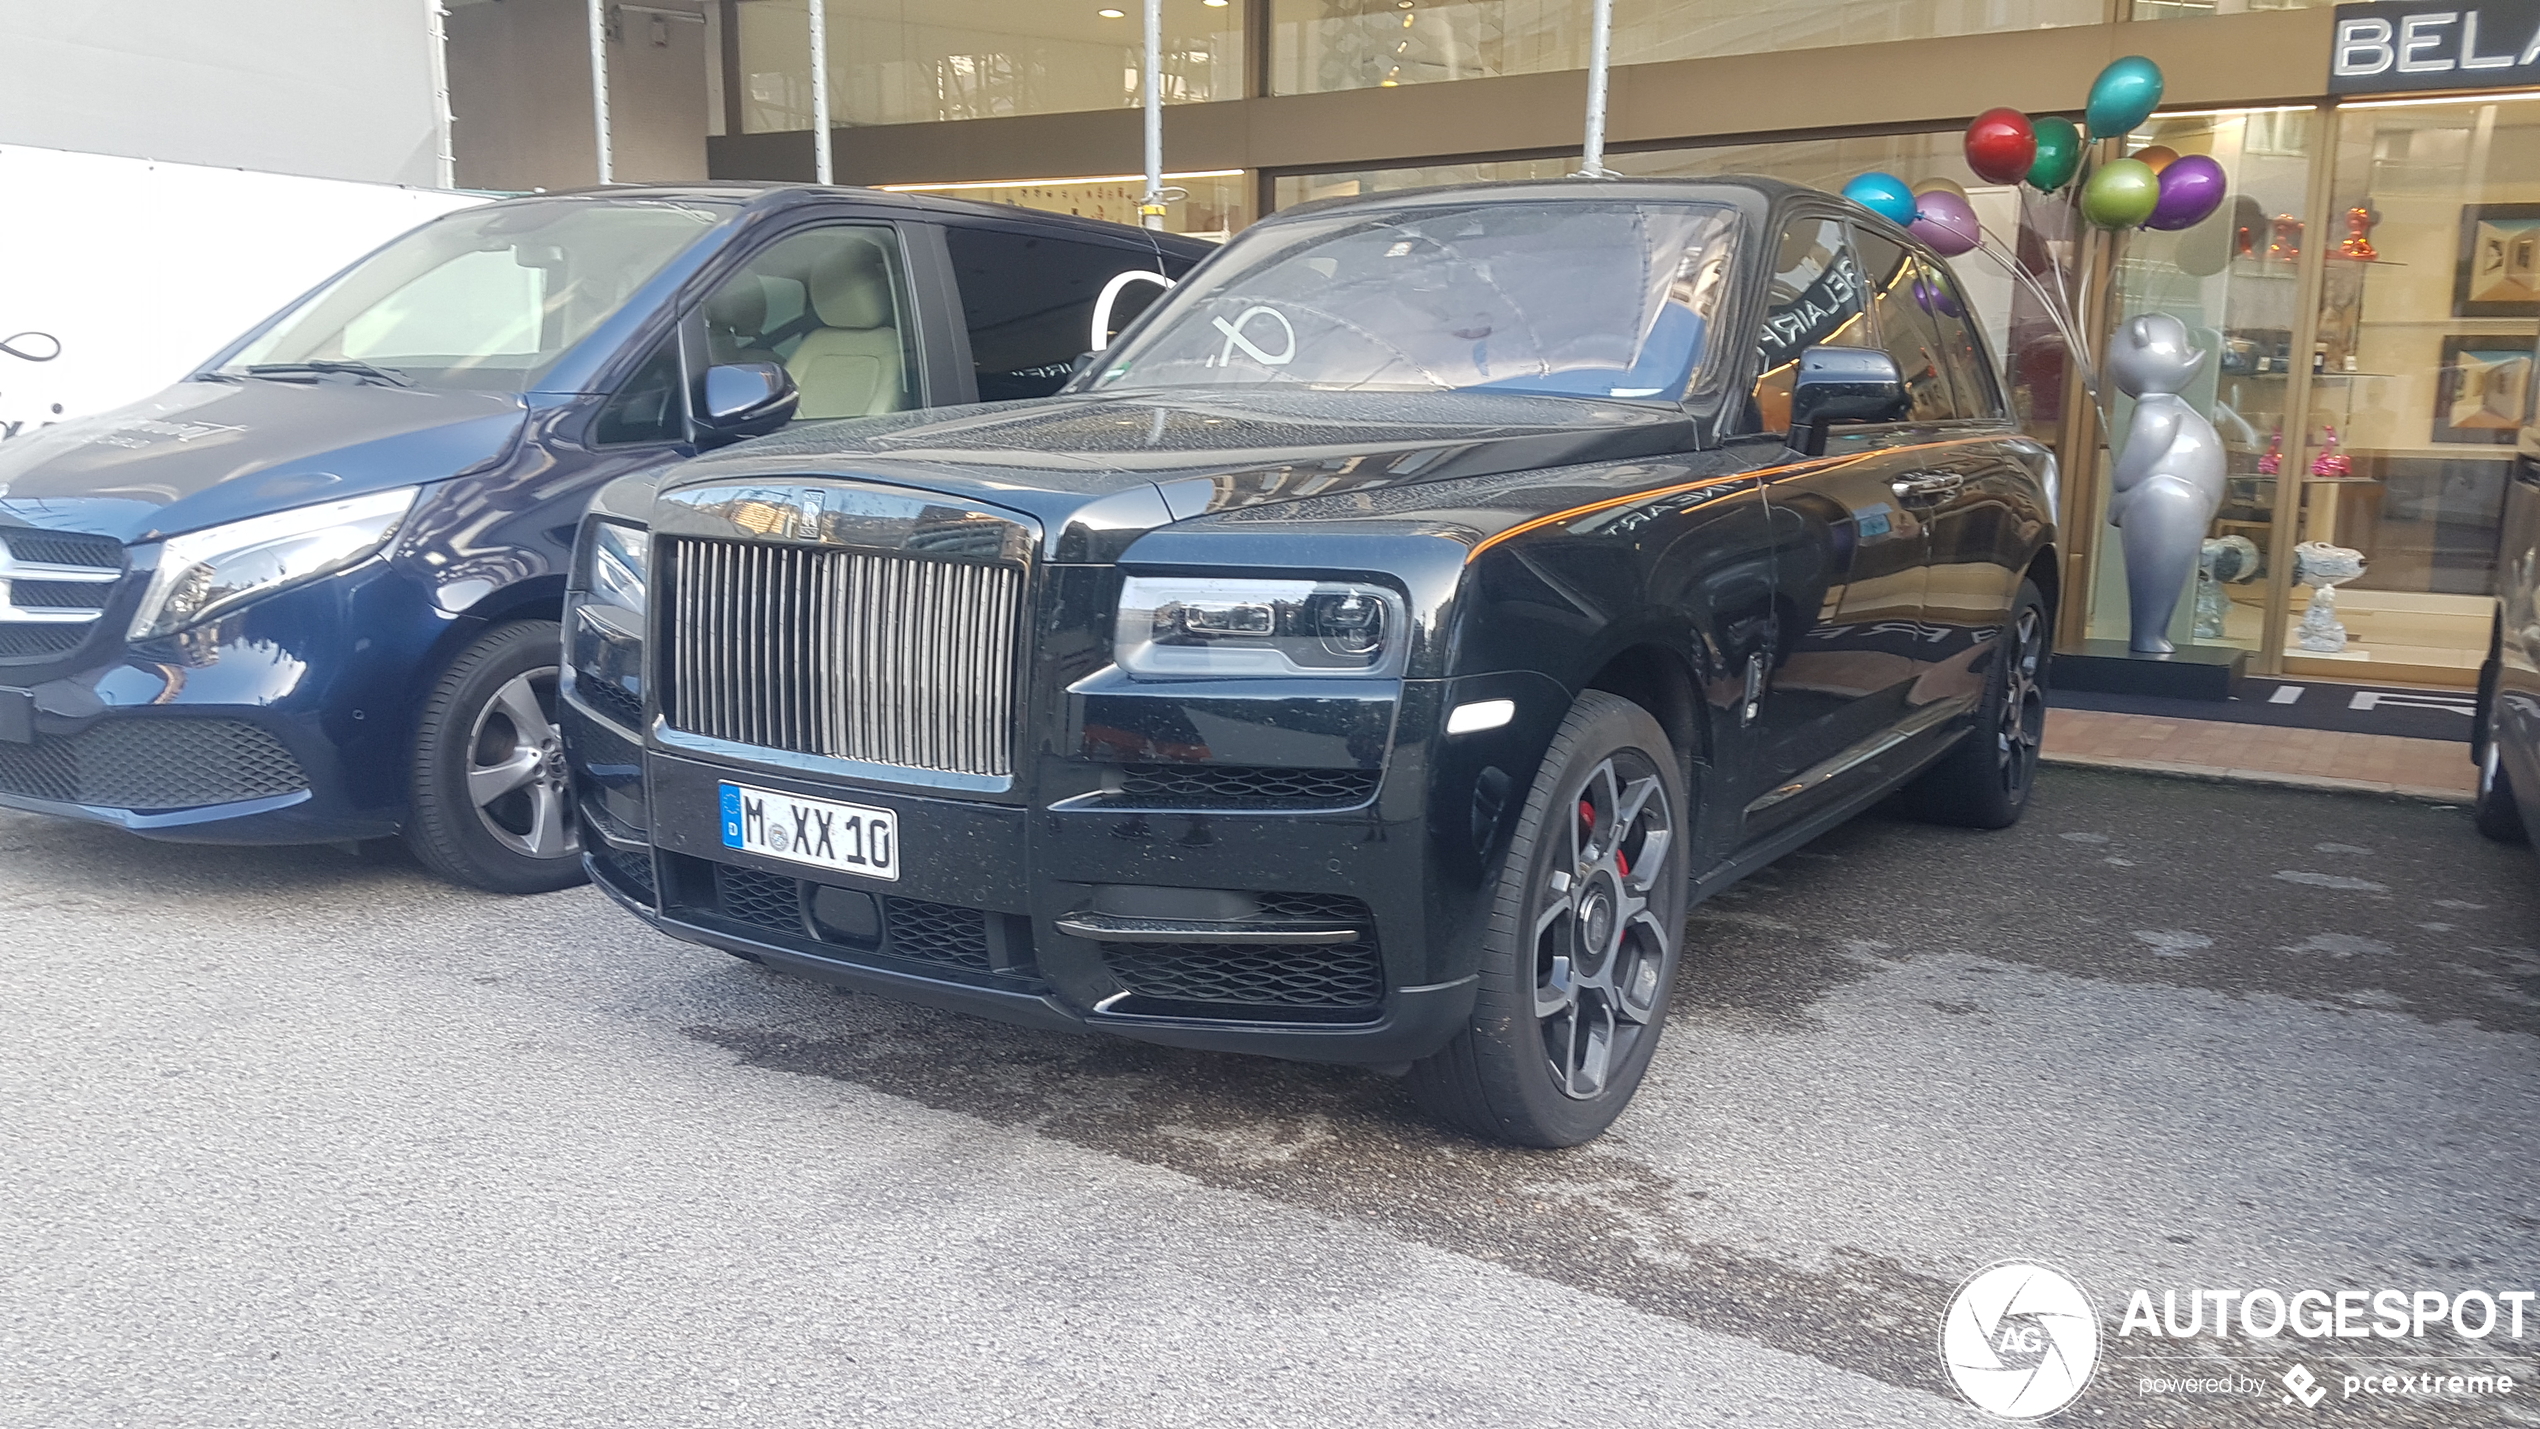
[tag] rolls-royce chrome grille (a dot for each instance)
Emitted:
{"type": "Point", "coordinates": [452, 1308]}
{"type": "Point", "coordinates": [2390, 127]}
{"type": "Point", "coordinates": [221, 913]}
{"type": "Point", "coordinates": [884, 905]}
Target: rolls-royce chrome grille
{"type": "Point", "coordinates": [887, 659]}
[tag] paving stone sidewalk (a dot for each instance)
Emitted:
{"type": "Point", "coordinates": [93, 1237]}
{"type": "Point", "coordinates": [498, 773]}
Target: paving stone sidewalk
{"type": "Point", "coordinates": [2431, 769]}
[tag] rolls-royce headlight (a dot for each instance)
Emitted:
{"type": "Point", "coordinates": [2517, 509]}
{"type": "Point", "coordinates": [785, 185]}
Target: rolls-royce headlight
{"type": "Point", "coordinates": [604, 629]}
{"type": "Point", "coordinates": [1183, 627]}
{"type": "Point", "coordinates": [206, 573]}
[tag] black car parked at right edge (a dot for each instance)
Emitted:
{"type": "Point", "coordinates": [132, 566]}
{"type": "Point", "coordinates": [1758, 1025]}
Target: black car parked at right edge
{"type": "Point", "coordinates": [1367, 660]}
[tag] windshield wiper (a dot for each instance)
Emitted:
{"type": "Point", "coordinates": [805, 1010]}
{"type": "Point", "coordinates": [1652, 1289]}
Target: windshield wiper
{"type": "Point", "coordinates": [324, 366]}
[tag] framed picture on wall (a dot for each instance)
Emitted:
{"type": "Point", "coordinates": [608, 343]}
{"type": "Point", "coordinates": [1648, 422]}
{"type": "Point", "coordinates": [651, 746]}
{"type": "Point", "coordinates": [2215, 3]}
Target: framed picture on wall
{"type": "Point", "coordinates": [2498, 271]}
{"type": "Point", "coordinates": [2482, 388]}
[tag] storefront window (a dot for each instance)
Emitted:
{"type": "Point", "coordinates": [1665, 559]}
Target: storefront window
{"type": "Point", "coordinates": [895, 63]}
{"type": "Point", "coordinates": [2234, 281]}
{"type": "Point", "coordinates": [1204, 205]}
{"type": "Point", "coordinates": [2428, 309]}
{"type": "Point", "coordinates": [1322, 45]}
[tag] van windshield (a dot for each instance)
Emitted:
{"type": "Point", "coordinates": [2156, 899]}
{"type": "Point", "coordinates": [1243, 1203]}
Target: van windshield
{"type": "Point", "coordinates": [486, 298]}
{"type": "Point", "coordinates": [1582, 298]}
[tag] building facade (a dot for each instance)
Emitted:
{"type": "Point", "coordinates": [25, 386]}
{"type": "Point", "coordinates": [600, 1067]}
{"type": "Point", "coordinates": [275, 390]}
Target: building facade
{"type": "Point", "coordinates": [2370, 293]}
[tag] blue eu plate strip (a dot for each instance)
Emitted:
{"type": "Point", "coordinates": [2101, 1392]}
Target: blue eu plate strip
{"type": "Point", "coordinates": [731, 816]}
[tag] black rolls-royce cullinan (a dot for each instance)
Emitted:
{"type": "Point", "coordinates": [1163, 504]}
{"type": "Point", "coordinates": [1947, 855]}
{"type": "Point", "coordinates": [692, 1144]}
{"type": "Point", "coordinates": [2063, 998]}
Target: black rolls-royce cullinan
{"type": "Point", "coordinates": [1368, 659]}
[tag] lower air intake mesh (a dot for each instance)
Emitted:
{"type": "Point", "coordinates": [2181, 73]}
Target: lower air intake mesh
{"type": "Point", "coordinates": [1207, 786]}
{"type": "Point", "coordinates": [153, 764]}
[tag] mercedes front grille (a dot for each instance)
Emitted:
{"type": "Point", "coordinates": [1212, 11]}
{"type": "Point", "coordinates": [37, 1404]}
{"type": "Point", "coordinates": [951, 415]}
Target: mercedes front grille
{"type": "Point", "coordinates": [883, 658]}
{"type": "Point", "coordinates": [53, 587]}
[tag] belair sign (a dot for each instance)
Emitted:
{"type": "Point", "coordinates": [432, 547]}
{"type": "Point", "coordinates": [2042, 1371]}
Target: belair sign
{"type": "Point", "coordinates": [2430, 44]}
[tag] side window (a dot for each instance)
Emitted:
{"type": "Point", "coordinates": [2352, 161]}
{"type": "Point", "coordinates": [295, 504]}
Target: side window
{"type": "Point", "coordinates": [1815, 301]}
{"type": "Point", "coordinates": [650, 407]}
{"type": "Point", "coordinates": [1961, 344]}
{"type": "Point", "coordinates": [1900, 306]}
{"type": "Point", "coordinates": [1028, 300]}
{"type": "Point", "coordinates": [831, 306]}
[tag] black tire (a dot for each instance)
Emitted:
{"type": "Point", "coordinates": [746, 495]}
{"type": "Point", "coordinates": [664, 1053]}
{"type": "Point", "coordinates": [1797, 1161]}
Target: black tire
{"type": "Point", "coordinates": [2493, 809]}
{"type": "Point", "coordinates": [491, 718]}
{"type": "Point", "coordinates": [1545, 942]}
{"type": "Point", "coordinates": [1984, 783]}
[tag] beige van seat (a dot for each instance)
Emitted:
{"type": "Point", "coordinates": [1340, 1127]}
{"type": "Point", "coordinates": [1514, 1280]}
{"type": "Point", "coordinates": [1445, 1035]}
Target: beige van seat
{"type": "Point", "coordinates": [850, 365]}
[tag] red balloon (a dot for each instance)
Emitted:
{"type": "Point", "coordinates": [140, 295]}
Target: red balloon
{"type": "Point", "coordinates": [2001, 145]}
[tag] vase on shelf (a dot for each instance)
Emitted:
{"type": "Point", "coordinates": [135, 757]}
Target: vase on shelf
{"type": "Point", "coordinates": [2332, 464]}
{"type": "Point", "coordinates": [2357, 244]}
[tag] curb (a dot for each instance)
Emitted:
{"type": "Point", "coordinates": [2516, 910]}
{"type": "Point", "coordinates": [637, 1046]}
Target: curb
{"type": "Point", "coordinates": [2207, 773]}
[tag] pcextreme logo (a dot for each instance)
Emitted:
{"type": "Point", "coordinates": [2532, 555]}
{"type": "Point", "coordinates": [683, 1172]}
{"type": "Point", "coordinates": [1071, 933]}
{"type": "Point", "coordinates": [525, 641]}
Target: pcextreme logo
{"type": "Point", "coordinates": [2020, 1340]}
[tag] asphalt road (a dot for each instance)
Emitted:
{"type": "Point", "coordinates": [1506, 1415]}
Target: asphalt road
{"type": "Point", "coordinates": [291, 1138]}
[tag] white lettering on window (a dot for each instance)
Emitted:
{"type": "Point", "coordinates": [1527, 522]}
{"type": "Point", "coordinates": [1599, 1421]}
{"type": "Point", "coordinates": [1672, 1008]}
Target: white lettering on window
{"type": "Point", "coordinates": [2417, 35]}
{"type": "Point", "coordinates": [2363, 47]}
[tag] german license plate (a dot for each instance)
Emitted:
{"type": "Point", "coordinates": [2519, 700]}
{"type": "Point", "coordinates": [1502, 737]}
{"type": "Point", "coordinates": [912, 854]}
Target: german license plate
{"type": "Point", "coordinates": [849, 838]}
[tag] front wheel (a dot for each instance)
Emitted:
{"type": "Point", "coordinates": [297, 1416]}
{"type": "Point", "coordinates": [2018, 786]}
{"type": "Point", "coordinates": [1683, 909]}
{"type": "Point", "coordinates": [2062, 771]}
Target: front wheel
{"type": "Point", "coordinates": [1582, 944]}
{"type": "Point", "coordinates": [492, 806]}
{"type": "Point", "coordinates": [1984, 783]}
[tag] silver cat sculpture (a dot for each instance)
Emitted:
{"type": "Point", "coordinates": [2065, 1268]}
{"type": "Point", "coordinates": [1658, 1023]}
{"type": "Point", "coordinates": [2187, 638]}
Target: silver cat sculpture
{"type": "Point", "coordinates": [2169, 478]}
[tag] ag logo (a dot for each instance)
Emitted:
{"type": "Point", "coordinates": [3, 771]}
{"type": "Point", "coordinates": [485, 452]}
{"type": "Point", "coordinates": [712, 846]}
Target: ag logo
{"type": "Point", "coordinates": [2020, 1340]}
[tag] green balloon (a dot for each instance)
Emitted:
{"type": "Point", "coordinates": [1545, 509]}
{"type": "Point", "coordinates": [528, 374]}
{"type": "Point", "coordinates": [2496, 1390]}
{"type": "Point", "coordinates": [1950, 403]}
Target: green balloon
{"type": "Point", "coordinates": [2121, 195]}
{"type": "Point", "coordinates": [2123, 96]}
{"type": "Point", "coordinates": [2058, 154]}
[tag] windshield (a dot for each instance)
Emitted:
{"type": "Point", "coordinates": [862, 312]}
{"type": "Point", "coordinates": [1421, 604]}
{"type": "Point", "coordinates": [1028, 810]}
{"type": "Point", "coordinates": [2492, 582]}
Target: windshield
{"type": "Point", "coordinates": [1571, 298]}
{"type": "Point", "coordinates": [484, 298]}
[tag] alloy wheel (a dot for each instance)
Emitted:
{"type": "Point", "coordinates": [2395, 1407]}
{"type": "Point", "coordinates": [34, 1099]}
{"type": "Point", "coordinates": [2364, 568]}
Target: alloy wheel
{"type": "Point", "coordinates": [1601, 948]}
{"type": "Point", "coordinates": [2020, 727]}
{"type": "Point", "coordinates": [516, 769]}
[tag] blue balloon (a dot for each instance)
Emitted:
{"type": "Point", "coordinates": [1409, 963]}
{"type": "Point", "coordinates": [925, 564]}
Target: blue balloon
{"type": "Point", "coordinates": [1883, 194]}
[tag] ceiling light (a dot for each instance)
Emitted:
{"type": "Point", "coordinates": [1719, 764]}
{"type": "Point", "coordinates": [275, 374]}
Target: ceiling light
{"type": "Point", "coordinates": [1214, 4]}
{"type": "Point", "coordinates": [1112, 14]}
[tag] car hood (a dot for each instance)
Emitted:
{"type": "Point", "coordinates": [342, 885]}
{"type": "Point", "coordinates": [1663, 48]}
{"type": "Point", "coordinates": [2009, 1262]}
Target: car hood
{"type": "Point", "coordinates": [203, 453]}
{"type": "Point", "coordinates": [1129, 463]}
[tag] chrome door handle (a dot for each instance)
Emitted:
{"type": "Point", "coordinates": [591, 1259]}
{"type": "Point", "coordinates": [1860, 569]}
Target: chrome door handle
{"type": "Point", "coordinates": [1926, 485]}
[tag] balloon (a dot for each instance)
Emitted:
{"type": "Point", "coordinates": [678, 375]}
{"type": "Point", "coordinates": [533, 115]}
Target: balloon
{"type": "Point", "coordinates": [2123, 96]}
{"type": "Point", "coordinates": [2121, 195]}
{"type": "Point", "coordinates": [2156, 156]}
{"type": "Point", "coordinates": [1939, 185]}
{"type": "Point", "coordinates": [1947, 223]}
{"type": "Point", "coordinates": [2058, 154]}
{"type": "Point", "coordinates": [1884, 195]}
{"type": "Point", "coordinates": [2001, 145]}
{"type": "Point", "coordinates": [2190, 189]}
{"type": "Point", "coordinates": [1933, 298]}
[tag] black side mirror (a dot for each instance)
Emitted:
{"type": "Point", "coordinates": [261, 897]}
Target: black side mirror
{"type": "Point", "coordinates": [1843, 384]}
{"type": "Point", "coordinates": [747, 399]}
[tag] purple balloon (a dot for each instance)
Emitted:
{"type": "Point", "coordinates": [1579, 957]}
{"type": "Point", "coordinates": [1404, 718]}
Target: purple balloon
{"type": "Point", "coordinates": [1933, 298]}
{"type": "Point", "coordinates": [1943, 220]}
{"type": "Point", "coordinates": [2191, 189]}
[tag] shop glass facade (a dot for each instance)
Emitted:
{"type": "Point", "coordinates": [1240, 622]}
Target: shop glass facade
{"type": "Point", "coordinates": [1206, 205]}
{"type": "Point", "coordinates": [895, 63]}
{"type": "Point", "coordinates": [1318, 46]}
{"type": "Point", "coordinates": [2235, 281]}
{"type": "Point", "coordinates": [2429, 301]}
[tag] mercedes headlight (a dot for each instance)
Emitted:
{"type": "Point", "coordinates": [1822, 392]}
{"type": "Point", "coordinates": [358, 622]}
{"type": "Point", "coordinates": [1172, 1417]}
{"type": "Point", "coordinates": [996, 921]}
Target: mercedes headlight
{"type": "Point", "coordinates": [1199, 627]}
{"type": "Point", "coordinates": [202, 574]}
{"type": "Point", "coordinates": [604, 621]}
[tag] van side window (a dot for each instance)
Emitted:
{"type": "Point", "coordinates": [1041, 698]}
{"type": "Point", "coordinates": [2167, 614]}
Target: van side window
{"type": "Point", "coordinates": [1962, 347]}
{"type": "Point", "coordinates": [1028, 300]}
{"type": "Point", "coordinates": [1815, 301]}
{"type": "Point", "coordinates": [650, 406]}
{"type": "Point", "coordinates": [1901, 305]}
{"type": "Point", "coordinates": [831, 306]}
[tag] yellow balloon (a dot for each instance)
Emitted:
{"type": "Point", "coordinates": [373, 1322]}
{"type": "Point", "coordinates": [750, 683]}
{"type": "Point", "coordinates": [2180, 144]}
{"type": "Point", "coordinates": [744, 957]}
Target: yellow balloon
{"type": "Point", "coordinates": [2156, 156]}
{"type": "Point", "coordinates": [1937, 185]}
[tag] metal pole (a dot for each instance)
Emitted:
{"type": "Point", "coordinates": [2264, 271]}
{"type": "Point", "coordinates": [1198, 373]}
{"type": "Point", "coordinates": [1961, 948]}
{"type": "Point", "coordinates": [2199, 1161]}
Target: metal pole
{"type": "Point", "coordinates": [436, 35]}
{"type": "Point", "coordinates": [1600, 37]}
{"type": "Point", "coordinates": [1151, 205]}
{"type": "Point", "coordinates": [599, 23]}
{"type": "Point", "coordinates": [820, 170]}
